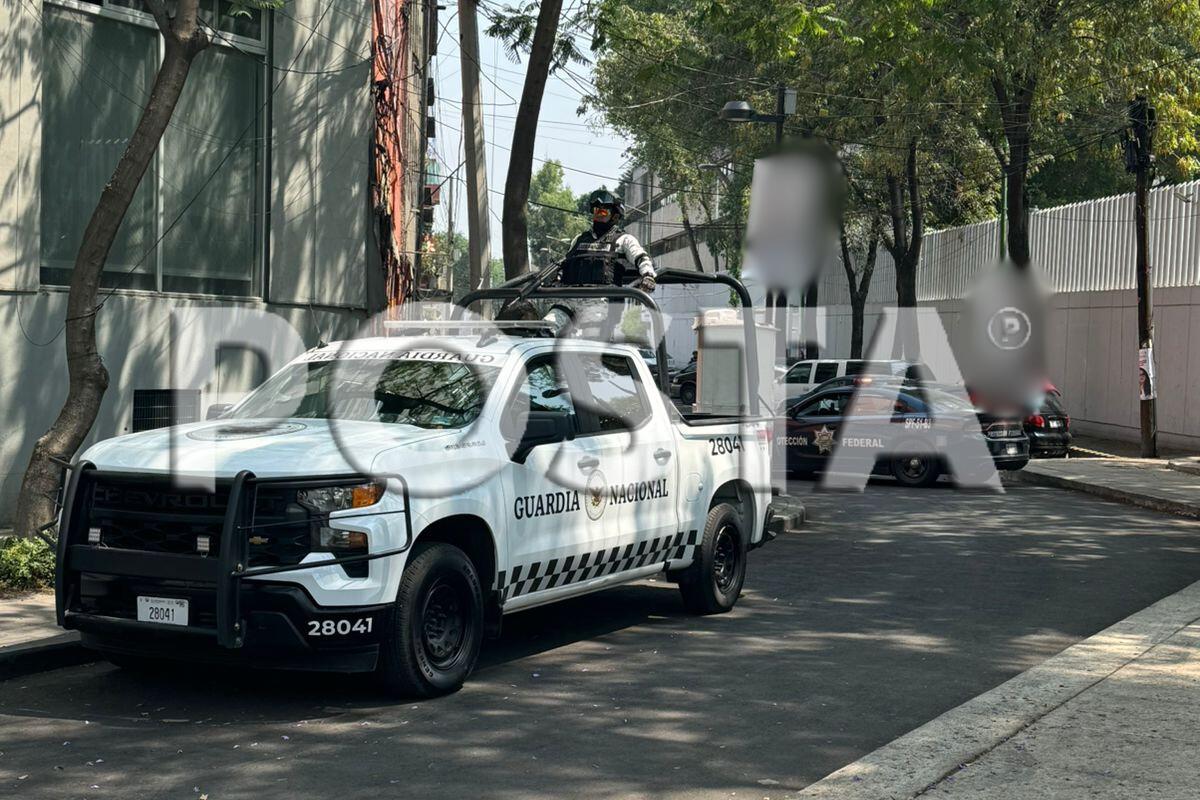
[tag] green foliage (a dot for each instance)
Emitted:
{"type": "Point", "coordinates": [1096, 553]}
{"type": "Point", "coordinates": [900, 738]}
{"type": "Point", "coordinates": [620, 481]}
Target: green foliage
{"type": "Point", "coordinates": [875, 75]}
{"type": "Point", "coordinates": [447, 254]}
{"type": "Point", "coordinates": [552, 225]}
{"type": "Point", "coordinates": [515, 26]}
{"type": "Point", "coordinates": [25, 564]}
{"type": "Point", "coordinates": [633, 327]}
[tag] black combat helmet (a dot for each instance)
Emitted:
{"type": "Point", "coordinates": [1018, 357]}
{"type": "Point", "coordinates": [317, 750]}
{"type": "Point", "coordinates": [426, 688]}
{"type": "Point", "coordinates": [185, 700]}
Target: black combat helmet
{"type": "Point", "coordinates": [605, 198]}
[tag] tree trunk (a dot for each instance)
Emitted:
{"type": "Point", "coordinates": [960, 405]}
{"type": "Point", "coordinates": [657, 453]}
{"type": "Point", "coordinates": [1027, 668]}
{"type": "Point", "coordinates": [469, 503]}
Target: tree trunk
{"type": "Point", "coordinates": [515, 236]}
{"type": "Point", "coordinates": [87, 375]}
{"type": "Point", "coordinates": [858, 307]}
{"type": "Point", "coordinates": [691, 235]}
{"type": "Point", "coordinates": [905, 248]}
{"type": "Point", "coordinates": [859, 289]}
{"type": "Point", "coordinates": [1017, 119]}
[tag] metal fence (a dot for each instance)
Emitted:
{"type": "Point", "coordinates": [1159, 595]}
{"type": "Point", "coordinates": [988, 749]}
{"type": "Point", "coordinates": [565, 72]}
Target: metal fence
{"type": "Point", "coordinates": [1081, 247]}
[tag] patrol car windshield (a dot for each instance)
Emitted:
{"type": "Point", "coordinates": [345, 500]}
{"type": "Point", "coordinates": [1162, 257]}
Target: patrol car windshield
{"type": "Point", "coordinates": [426, 394]}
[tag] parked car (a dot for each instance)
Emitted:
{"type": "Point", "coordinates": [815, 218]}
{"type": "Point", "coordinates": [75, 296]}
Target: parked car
{"type": "Point", "coordinates": [850, 380]}
{"type": "Point", "coordinates": [649, 355]}
{"type": "Point", "coordinates": [804, 376]}
{"type": "Point", "coordinates": [921, 418]}
{"type": "Point", "coordinates": [683, 384]}
{"type": "Point", "coordinates": [1049, 428]}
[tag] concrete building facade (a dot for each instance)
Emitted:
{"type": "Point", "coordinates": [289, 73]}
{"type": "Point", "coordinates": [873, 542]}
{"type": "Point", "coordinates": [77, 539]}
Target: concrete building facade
{"type": "Point", "coordinates": [263, 195]}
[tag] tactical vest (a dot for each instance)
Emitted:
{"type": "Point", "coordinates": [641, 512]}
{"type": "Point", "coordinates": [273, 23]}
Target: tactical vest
{"type": "Point", "coordinates": [594, 261]}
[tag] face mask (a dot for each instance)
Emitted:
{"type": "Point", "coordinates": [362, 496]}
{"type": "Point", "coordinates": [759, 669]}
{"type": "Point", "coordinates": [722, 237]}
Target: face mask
{"type": "Point", "coordinates": [602, 220]}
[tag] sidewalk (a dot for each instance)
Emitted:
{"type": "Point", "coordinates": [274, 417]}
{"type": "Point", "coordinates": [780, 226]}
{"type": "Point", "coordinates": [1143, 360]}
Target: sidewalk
{"type": "Point", "coordinates": [1111, 717]}
{"type": "Point", "coordinates": [1170, 487]}
{"type": "Point", "coordinates": [30, 639]}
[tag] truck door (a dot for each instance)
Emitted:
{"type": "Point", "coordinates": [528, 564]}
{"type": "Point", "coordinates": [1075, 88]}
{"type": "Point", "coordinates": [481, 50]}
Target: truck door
{"type": "Point", "coordinates": [812, 429]}
{"type": "Point", "coordinates": [551, 520]}
{"type": "Point", "coordinates": [639, 444]}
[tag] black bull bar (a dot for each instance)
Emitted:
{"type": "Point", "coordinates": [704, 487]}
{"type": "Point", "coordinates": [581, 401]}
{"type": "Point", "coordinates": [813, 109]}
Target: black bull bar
{"type": "Point", "coordinates": [225, 572]}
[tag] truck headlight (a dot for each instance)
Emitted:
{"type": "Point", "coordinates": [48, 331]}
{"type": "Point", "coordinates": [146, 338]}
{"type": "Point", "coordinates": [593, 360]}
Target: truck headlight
{"type": "Point", "coordinates": [327, 499]}
{"type": "Point", "coordinates": [344, 543]}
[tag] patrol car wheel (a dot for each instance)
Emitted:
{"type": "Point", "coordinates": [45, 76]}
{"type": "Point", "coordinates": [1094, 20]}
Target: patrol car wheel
{"type": "Point", "coordinates": [918, 468]}
{"type": "Point", "coordinates": [712, 584]}
{"type": "Point", "coordinates": [437, 624]}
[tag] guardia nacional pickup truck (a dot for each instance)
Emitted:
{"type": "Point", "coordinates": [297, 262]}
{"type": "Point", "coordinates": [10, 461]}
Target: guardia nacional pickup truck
{"type": "Point", "coordinates": [379, 504]}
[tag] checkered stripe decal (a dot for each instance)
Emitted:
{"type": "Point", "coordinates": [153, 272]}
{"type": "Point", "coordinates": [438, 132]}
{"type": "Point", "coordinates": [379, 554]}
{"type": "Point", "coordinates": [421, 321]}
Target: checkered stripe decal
{"type": "Point", "coordinates": [574, 569]}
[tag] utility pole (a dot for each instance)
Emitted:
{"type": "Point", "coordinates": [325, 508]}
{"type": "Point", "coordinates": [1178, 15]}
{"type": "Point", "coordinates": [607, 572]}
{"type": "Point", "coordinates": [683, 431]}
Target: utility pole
{"type": "Point", "coordinates": [448, 282]}
{"type": "Point", "coordinates": [778, 298]}
{"type": "Point", "coordinates": [1004, 214]}
{"type": "Point", "coordinates": [478, 235]}
{"type": "Point", "coordinates": [1139, 159]}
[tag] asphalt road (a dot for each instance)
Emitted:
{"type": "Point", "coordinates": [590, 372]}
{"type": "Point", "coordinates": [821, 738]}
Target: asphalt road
{"type": "Point", "coordinates": [890, 608]}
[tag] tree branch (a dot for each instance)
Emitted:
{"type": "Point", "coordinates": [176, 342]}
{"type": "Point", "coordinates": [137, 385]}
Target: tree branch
{"type": "Point", "coordinates": [846, 263]}
{"type": "Point", "coordinates": [914, 198]}
{"type": "Point", "coordinates": [899, 239]}
{"type": "Point", "coordinates": [864, 281]}
{"type": "Point", "coordinates": [158, 10]}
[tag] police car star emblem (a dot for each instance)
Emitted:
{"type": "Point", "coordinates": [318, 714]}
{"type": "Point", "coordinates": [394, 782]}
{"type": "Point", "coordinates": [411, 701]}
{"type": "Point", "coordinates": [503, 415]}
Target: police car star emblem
{"type": "Point", "coordinates": [823, 439]}
{"type": "Point", "coordinates": [595, 495]}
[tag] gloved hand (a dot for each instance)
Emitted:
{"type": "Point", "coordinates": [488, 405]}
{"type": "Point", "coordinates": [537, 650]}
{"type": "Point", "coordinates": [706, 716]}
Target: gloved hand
{"type": "Point", "coordinates": [646, 283]}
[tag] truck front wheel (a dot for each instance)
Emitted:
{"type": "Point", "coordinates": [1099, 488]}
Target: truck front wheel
{"type": "Point", "coordinates": [712, 583]}
{"type": "Point", "coordinates": [437, 624]}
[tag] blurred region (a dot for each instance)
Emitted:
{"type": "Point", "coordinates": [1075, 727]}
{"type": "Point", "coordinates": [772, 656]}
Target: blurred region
{"type": "Point", "coordinates": [796, 203]}
{"type": "Point", "coordinates": [1001, 343]}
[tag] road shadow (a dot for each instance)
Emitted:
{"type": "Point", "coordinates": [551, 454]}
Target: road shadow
{"type": "Point", "coordinates": [889, 608]}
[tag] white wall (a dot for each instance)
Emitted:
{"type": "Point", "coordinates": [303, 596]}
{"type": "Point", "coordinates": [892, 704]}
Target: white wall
{"type": "Point", "coordinates": [319, 232]}
{"type": "Point", "coordinates": [1092, 357]}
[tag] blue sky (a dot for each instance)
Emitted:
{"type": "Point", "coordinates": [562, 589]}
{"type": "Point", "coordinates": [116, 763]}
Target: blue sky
{"type": "Point", "coordinates": [582, 145]}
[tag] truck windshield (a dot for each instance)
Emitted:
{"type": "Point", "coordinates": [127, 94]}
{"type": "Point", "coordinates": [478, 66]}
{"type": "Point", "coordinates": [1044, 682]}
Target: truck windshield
{"type": "Point", "coordinates": [412, 392]}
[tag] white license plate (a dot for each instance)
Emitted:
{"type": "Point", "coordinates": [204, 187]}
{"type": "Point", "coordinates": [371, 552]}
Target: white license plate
{"type": "Point", "coordinates": [162, 610]}
{"type": "Point", "coordinates": [1056, 423]}
{"type": "Point", "coordinates": [1013, 449]}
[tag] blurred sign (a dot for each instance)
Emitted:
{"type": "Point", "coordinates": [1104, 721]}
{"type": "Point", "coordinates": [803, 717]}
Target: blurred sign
{"type": "Point", "coordinates": [1147, 386]}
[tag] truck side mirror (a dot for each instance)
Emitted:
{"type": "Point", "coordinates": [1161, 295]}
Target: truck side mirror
{"type": "Point", "coordinates": [536, 428]}
{"type": "Point", "coordinates": [217, 410]}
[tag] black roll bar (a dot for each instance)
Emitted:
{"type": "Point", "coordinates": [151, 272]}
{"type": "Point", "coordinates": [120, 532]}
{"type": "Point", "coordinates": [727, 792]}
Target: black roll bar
{"type": "Point", "coordinates": [531, 285]}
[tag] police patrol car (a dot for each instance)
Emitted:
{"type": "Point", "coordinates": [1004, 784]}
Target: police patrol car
{"type": "Point", "coordinates": [380, 504]}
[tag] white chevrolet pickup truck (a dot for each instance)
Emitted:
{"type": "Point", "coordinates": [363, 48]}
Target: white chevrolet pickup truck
{"type": "Point", "coordinates": [378, 505]}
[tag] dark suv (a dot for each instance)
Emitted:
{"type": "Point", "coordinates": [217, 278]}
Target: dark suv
{"type": "Point", "coordinates": [1049, 428]}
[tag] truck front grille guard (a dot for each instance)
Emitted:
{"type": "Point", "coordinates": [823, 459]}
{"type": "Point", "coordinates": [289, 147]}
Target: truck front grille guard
{"type": "Point", "coordinates": [226, 572]}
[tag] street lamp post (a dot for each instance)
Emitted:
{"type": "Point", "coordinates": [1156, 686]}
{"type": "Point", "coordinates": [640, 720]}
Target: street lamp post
{"type": "Point", "coordinates": [740, 111]}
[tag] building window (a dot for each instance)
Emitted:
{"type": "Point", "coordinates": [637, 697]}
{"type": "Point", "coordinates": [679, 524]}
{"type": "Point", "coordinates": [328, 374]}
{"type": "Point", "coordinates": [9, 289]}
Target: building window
{"type": "Point", "coordinates": [195, 224]}
{"type": "Point", "coordinates": [158, 408]}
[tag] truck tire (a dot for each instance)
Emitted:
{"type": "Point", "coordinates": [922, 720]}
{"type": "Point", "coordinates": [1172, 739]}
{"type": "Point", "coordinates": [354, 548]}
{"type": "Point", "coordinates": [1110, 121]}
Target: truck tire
{"type": "Point", "coordinates": [713, 582]}
{"type": "Point", "coordinates": [687, 393]}
{"type": "Point", "coordinates": [437, 624]}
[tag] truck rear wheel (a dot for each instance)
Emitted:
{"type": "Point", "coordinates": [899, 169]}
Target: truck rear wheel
{"type": "Point", "coordinates": [713, 582]}
{"type": "Point", "coordinates": [437, 624]}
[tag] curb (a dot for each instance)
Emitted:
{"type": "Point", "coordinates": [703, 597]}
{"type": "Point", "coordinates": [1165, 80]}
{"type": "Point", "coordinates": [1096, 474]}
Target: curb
{"type": "Point", "coordinates": [43, 655]}
{"type": "Point", "coordinates": [1190, 467]}
{"type": "Point", "coordinates": [1110, 493]}
{"type": "Point", "coordinates": [916, 762]}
